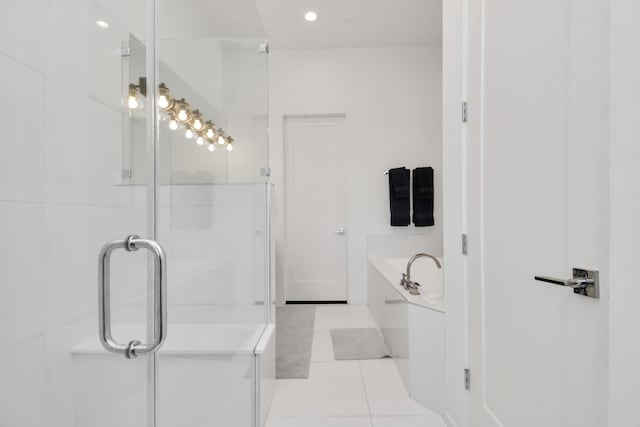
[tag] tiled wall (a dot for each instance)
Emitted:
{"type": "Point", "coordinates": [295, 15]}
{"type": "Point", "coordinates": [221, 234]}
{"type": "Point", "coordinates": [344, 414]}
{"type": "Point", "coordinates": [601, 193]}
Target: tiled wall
{"type": "Point", "coordinates": [59, 149]}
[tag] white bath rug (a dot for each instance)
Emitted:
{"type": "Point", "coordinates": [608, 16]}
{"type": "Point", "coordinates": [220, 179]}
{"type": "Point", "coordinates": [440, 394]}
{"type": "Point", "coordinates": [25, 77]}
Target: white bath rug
{"type": "Point", "coordinates": [358, 344]}
{"type": "Point", "coordinates": [294, 340]}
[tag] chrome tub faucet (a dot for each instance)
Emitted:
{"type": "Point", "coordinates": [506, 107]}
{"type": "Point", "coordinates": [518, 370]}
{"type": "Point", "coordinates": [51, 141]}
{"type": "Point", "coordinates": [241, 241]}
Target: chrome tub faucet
{"type": "Point", "coordinates": [406, 281]}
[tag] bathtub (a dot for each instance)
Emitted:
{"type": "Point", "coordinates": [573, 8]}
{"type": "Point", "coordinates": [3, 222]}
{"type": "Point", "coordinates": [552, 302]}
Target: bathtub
{"type": "Point", "coordinates": [413, 326]}
{"type": "Point", "coordinates": [223, 374]}
{"type": "Point", "coordinates": [424, 272]}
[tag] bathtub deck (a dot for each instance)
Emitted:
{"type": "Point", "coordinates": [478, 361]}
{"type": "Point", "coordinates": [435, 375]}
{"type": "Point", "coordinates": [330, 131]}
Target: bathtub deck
{"type": "Point", "coordinates": [431, 298]}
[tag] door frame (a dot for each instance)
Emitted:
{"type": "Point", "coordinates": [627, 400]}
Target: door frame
{"type": "Point", "coordinates": [287, 203]}
{"type": "Point", "coordinates": [454, 170]}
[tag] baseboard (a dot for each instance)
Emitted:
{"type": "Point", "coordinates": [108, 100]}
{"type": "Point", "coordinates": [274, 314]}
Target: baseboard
{"type": "Point", "coordinates": [447, 419]}
{"type": "Point", "coordinates": [314, 302]}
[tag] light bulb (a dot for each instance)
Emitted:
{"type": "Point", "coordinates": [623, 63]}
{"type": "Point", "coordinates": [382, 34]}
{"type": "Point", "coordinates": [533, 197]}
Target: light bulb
{"type": "Point", "coordinates": [197, 120]}
{"type": "Point", "coordinates": [182, 114]}
{"type": "Point", "coordinates": [200, 140]}
{"type": "Point", "coordinates": [132, 102]}
{"type": "Point", "coordinates": [210, 133]}
{"type": "Point", "coordinates": [189, 133]}
{"type": "Point", "coordinates": [163, 102]}
{"type": "Point", "coordinates": [221, 140]}
{"type": "Point", "coordinates": [310, 16]}
{"type": "Point", "coordinates": [173, 125]}
{"type": "Point", "coordinates": [229, 147]}
{"type": "Point", "coordinates": [211, 147]}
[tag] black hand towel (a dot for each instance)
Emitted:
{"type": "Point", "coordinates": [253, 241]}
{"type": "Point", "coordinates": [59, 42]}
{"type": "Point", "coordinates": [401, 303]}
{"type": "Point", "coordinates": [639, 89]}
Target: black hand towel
{"type": "Point", "coordinates": [423, 197]}
{"type": "Point", "coordinates": [399, 201]}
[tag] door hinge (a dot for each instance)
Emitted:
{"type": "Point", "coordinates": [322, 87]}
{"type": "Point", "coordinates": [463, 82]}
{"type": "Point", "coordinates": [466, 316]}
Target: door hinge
{"type": "Point", "coordinates": [265, 171]}
{"type": "Point", "coordinates": [465, 244]}
{"type": "Point", "coordinates": [263, 47]}
{"type": "Point", "coordinates": [467, 379]}
{"type": "Point", "coordinates": [465, 112]}
{"type": "Point", "coordinates": [127, 173]}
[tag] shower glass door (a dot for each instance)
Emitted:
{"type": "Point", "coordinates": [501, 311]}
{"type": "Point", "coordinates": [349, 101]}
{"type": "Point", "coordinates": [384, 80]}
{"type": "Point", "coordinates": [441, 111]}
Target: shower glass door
{"type": "Point", "coordinates": [66, 188]}
{"type": "Point", "coordinates": [97, 146]}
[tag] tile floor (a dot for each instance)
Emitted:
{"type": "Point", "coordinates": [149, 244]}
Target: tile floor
{"type": "Point", "coordinates": [367, 393]}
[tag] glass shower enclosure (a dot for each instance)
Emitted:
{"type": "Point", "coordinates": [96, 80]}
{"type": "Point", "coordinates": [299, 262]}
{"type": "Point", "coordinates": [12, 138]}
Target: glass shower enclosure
{"type": "Point", "coordinates": [134, 208]}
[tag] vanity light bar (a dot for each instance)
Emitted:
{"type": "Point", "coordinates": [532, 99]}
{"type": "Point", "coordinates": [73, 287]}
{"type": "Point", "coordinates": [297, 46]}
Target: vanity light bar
{"type": "Point", "coordinates": [180, 114]}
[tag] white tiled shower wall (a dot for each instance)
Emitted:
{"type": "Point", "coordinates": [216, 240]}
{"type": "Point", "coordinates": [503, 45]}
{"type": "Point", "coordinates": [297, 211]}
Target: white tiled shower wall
{"type": "Point", "coordinates": [58, 149]}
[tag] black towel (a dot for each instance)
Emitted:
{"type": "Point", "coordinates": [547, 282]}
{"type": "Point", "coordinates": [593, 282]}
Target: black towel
{"type": "Point", "coordinates": [423, 197]}
{"type": "Point", "coordinates": [399, 179]}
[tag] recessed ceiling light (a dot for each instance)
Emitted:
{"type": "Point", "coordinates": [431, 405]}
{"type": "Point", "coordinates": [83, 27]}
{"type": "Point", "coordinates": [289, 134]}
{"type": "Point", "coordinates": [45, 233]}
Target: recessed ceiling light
{"type": "Point", "coordinates": [311, 16]}
{"type": "Point", "coordinates": [102, 24]}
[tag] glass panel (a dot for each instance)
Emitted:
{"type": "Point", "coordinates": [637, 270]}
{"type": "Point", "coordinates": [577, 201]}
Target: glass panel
{"type": "Point", "coordinates": [213, 210]}
{"type": "Point", "coordinates": [61, 198]}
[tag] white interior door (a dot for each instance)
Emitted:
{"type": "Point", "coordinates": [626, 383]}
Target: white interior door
{"type": "Point", "coordinates": [537, 205]}
{"type": "Point", "coordinates": [316, 194]}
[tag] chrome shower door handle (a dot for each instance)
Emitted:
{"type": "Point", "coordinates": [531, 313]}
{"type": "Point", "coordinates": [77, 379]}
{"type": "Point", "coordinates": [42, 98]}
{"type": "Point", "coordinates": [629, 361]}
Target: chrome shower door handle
{"type": "Point", "coordinates": [133, 348]}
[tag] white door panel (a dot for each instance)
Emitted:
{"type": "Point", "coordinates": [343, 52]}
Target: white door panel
{"type": "Point", "coordinates": [315, 263]}
{"type": "Point", "coordinates": [537, 195]}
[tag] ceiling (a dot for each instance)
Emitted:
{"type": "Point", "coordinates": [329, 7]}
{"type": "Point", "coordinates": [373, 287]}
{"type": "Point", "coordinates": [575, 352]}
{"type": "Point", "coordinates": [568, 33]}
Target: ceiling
{"type": "Point", "coordinates": [340, 24]}
{"type": "Point", "coordinates": [351, 23]}
{"type": "Point", "coordinates": [186, 19]}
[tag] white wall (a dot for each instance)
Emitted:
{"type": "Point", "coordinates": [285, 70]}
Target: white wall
{"type": "Point", "coordinates": [624, 153]}
{"type": "Point", "coordinates": [392, 101]}
{"type": "Point", "coordinates": [215, 239]}
{"type": "Point", "coordinates": [246, 108]}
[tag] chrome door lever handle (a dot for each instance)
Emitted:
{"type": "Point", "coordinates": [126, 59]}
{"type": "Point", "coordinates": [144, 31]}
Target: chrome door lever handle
{"type": "Point", "coordinates": [583, 282]}
{"type": "Point", "coordinates": [568, 282]}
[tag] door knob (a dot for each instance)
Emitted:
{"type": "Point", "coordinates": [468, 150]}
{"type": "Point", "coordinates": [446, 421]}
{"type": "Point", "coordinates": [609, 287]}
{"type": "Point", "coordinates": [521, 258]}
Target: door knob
{"type": "Point", "coordinates": [340, 231]}
{"type": "Point", "coordinates": [583, 282]}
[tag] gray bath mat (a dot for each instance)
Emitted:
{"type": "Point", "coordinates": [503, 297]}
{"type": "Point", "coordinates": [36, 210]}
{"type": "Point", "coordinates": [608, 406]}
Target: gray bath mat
{"type": "Point", "coordinates": [358, 344]}
{"type": "Point", "coordinates": [294, 339]}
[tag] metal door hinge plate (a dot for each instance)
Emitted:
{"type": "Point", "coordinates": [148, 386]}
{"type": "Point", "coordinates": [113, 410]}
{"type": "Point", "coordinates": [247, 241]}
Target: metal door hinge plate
{"type": "Point", "coordinates": [127, 173]}
{"type": "Point", "coordinates": [465, 112]}
{"type": "Point", "coordinates": [465, 244]}
{"type": "Point", "coordinates": [265, 171]}
{"type": "Point", "coordinates": [590, 279]}
{"type": "Point", "coordinates": [264, 47]}
{"type": "Point", "coordinates": [467, 379]}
